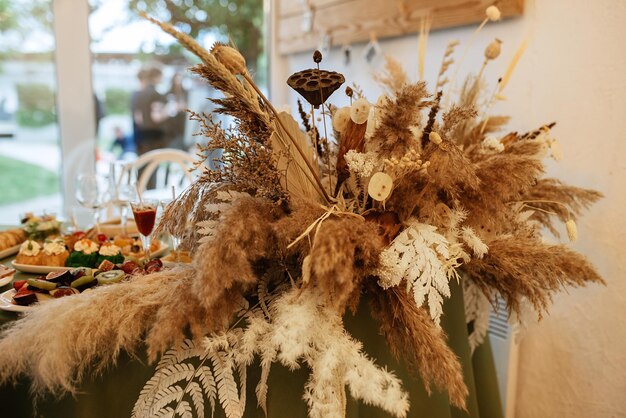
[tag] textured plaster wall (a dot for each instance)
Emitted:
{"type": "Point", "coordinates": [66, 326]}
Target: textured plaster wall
{"type": "Point", "coordinates": [573, 363]}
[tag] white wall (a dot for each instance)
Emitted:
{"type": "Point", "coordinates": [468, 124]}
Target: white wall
{"type": "Point", "coordinates": [573, 363]}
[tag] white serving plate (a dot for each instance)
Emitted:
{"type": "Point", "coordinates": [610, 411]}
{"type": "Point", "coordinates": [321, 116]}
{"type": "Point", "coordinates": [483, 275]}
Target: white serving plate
{"type": "Point", "coordinates": [6, 280]}
{"type": "Point", "coordinates": [9, 251]}
{"type": "Point", "coordinates": [29, 268]}
{"type": "Point", "coordinates": [6, 302]}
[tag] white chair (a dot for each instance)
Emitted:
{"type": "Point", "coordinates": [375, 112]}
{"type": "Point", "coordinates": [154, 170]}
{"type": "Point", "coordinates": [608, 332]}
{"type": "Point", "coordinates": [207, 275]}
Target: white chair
{"type": "Point", "coordinates": [172, 167]}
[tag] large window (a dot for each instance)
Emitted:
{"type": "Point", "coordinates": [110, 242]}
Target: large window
{"type": "Point", "coordinates": [30, 156]}
{"type": "Point", "coordinates": [140, 74]}
{"type": "Point", "coordinates": [34, 108]}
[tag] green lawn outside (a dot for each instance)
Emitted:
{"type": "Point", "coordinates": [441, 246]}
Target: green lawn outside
{"type": "Point", "coordinates": [21, 181]}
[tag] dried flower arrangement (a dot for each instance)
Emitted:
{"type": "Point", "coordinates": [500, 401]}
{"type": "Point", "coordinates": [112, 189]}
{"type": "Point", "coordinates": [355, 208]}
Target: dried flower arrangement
{"type": "Point", "coordinates": [294, 226]}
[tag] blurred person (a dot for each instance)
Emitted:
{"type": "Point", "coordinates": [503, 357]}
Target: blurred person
{"type": "Point", "coordinates": [177, 99]}
{"type": "Point", "coordinates": [148, 112]}
{"type": "Point", "coordinates": [126, 143]}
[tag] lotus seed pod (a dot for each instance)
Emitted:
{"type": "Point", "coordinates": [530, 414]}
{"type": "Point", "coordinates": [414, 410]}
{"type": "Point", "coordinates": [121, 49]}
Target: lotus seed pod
{"type": "Point", "coordinates": [493, 49]}
{"type": "Point", "coordinates": [435, 138]}
{"type": "Point", "coordinates": [359, 111]}
{"type": "Point", "coordinates": [493, 13]}
{"type": "Point", "coordinates": [230, 58]}
{"type": "Point", "coordinates": [340, 119]}
{"type": "Point", "coordinates": [314, 85]}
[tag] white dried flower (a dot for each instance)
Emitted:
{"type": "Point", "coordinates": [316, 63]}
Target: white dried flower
{"type": "Point", "coordinates": [230, 58]}
{"type": "Point", "coordinates": [361, 164]}
{"type": "Point", "coordinates": [359, 111]}
{"type": "Point", "coordinates": [572, 231]}
{"type": "Point", "coordinates": [340, 119]}
{"type": "Point", "coordinates": [493, 49]}
{"type": "Point", "coordinates": [435, 138]}
{"type": "Point", "coordinates": [493, 144]}
{"type": "Point", "coordinates": [493, 13]}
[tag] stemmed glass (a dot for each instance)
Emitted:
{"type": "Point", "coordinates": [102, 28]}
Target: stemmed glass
{"type": "Point", "coordinates": [123, 190]}
{"type": "Point", "coordinates": [92, 192]}
{"type": "Point", "coordinates": [144, 212]}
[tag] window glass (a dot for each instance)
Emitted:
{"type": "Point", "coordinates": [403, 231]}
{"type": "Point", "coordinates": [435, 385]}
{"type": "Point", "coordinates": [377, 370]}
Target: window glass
{"type": "Point", "coordinates": [30, 155]}
{"type": "Point", "coordinates": [140, 74]}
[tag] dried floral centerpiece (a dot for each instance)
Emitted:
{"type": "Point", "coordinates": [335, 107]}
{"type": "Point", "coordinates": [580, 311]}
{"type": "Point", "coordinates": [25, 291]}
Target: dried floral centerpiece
{"type": "Point", "coordinates": [408, 194]}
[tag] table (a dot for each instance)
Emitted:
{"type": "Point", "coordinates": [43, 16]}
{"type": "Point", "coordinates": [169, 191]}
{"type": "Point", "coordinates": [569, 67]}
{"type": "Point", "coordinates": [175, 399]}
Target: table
{"type": "Point", "coordinates": [113, 394]}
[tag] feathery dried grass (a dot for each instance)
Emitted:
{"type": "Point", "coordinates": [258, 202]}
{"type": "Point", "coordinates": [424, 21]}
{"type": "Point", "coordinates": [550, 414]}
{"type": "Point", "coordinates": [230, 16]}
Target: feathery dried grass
{"type": "Point", "coordinates": [393, 78]}
{"type": "Point", "coordinates": [413, 336]}
{"type": "Point", "coordinates": [504, 178]}
{"type": "Point", "coordinates": [393, 137]}
{"type": "Point", "coordinates": [227, 264]}
{"type": "Point", "coordinates": [63, 341]}
{"type": "Point", "coordinates": [551, 196]}
{"type": "Point", "coordinates": [450, 170]}
{"type": "Point", "coordinates": [525, 268]}
{"type": "Point", "coordinates": [344, 252]}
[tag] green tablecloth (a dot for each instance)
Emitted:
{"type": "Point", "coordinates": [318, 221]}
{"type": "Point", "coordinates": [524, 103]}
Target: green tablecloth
{"type": "Point", "coordinates": [113, 394]}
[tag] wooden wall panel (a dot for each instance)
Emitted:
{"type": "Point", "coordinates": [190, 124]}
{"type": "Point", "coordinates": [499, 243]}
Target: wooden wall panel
{"type": "Point", "coordinates": [350, 21]}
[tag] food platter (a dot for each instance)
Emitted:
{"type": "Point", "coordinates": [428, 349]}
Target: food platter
{"type": "Point", "coordinates": [9, 252]}
{"type": "Point", "coordinates": [30, 268]}
{"type": "Point", "coordinates": [6, 280]}
{"type": "Point", "coordinates": [6, 302]}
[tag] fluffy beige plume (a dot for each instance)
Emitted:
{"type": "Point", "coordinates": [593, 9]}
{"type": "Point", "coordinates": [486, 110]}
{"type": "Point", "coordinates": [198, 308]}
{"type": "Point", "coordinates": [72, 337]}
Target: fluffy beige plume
{"type": "Point", "coordinates": [63, 341]}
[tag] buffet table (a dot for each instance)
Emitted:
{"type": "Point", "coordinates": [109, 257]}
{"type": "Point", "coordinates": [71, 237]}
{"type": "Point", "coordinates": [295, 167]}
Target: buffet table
{"type": "Point", "coordinates": [113, 394]}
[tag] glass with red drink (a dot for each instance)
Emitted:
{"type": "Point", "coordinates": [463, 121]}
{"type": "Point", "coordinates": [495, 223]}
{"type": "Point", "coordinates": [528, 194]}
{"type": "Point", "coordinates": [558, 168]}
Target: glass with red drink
{"type": "Point", "coordinates": [144, 212]}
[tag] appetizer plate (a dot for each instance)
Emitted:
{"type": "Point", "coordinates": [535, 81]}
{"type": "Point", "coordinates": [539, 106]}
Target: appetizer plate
{"type": "Point", "coordinates": [29, 268]}
{"type": "Point", "coordinates": [9, 251]}
{"type": "Point", "coordinates": [6, 302]}
{"type": "Point", "coordinates": [6, 280]}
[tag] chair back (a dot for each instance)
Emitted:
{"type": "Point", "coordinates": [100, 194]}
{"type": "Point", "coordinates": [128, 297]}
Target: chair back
{"type": "Point", "coordinates": [172, 167]}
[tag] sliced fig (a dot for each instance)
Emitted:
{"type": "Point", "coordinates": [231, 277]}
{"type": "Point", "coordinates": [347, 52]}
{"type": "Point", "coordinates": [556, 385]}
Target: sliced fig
{"type": "Point", "coordinates": [81, 271]}
{"type": "Point", "coordinates": [41, 284]}
{"type": "Point", "coordinates": [25, 298]}
{"type": "Point", "coordinates": [84, 282]}
{"type": "Point", "coordinates": [60, 276]}
{"type": "Point", "coordinates": [61, 291]}
{"type": "Point", "coordinates": [109, 277]}
{"type": "Point", "coordinates": [18, 284]}
{"type": "Point", "coordinates": [153, 265]}
{"type": "Point", "coordinates": [106, 265]}
{"type": "Point", "coordinates": [129, 266]}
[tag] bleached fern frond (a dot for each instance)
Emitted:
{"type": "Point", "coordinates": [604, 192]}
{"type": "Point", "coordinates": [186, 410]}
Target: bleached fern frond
{"type": "Point", "coordinates": [478, 247]}
{"type": "Point", "coordinates": [183, 410]}
{"type": "Point", "coordinates": [477, 309]}
{"type": "Point", "coordinates": [205, 376]}
{"type": "Point", "coordinates": [425, 260]}
{"type": "Point", "coordinates": [226, 385]}
{"type": "Point", "coordinates": [261, 387]}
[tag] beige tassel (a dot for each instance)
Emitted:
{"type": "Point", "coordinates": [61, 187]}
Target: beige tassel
{"type": "Point", "coordinates": [572, 231]}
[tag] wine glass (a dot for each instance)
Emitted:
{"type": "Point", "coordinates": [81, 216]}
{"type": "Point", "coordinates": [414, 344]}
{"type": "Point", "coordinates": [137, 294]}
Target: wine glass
{"type": "Point", "coordinates": [123, 190]}
{"type": "Point", "coordinates": [92, 192]}
{"type": "Point", "coordinates": [144, 212]}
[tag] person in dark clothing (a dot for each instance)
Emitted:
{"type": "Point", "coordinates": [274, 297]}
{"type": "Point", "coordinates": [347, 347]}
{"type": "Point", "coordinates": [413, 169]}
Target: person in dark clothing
{"type": "Point", "coordinates": [126, 143]}
{"type": "Point", "coordinates": [177, 98]}
{"type": "Point", "coordinates": [148, 111]}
